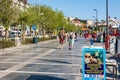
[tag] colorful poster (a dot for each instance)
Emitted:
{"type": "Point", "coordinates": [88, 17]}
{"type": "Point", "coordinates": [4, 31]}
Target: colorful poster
{"type": "Point", "coordinates": [93, 63]}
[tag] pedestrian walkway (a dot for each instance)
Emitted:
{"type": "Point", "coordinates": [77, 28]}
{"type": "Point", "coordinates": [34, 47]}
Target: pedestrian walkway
{"type": "Point", "coordinates": [43, 61]}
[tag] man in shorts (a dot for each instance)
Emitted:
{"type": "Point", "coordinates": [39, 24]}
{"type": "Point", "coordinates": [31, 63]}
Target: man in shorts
{"type": "Point", "coordinates": [61, 36]}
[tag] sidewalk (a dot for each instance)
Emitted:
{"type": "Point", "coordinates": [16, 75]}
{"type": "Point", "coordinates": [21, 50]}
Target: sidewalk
{"type": "Point", "coordinates": [65, 64]}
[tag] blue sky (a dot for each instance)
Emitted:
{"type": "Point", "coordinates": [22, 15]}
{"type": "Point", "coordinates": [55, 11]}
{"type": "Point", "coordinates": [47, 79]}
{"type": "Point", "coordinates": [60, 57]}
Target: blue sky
{"type": "Point", "coordinates": [83, 9]}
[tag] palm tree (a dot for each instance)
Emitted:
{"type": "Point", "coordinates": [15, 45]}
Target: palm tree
{"type": "Point", "coordinates": [102, 21]}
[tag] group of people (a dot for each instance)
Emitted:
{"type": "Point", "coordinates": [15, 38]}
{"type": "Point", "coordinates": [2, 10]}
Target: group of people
{"type": "Point", "coordinates": [97, 37]}
{"type": "Point", "coordinates": [64, 37]}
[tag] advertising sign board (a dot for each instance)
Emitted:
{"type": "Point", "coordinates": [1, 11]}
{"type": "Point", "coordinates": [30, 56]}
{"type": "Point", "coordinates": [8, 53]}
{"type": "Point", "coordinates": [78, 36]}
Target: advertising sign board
{"type": "Point", "coordinates": [93, 63]}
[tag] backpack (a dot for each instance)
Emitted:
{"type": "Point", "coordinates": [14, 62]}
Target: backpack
{"type": "Point", "coordinates": [71, 36]}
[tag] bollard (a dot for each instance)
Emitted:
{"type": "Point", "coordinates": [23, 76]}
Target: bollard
{"type": "Point", "coordinates": [91, 43]}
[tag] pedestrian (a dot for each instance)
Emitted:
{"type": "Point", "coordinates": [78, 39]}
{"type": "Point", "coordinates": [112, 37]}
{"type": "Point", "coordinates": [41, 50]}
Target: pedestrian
{"type": "Point", "coordinates": [85, 35]}
{"type": "Point", "coordinates": [71, 38]}
{"type": "Point", "coordinates": [66, 37]}
{"type": "Point", "coordinates": [101, 38]}
{"type": "Point", "coordinates": [75, 36]}
{"type": "Point", "coordinates": [61, 36]}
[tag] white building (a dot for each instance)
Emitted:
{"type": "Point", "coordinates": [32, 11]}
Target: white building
{"type": "Point", "coordinates": [114, 23]}
{"type": "Point", "coordinates": [22, 4]}
{"type": "Point", "coordinates": [90, 23]}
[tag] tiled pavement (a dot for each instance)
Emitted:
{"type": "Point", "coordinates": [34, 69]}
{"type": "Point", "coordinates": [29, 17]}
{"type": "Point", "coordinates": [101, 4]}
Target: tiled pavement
{"type": "Point", "coordinates": [43, 61]}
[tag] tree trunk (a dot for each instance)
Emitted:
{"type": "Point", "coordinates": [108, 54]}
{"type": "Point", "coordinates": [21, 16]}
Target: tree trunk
{"type": "Point", "coordinates": [31, 31]}
{"type": "Point", "coordinates": [23, 32]}
{"type": "Point", "coordinates": [6, 34]}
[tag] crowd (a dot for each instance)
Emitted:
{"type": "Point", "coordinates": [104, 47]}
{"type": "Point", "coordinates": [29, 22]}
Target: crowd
{"type": "Point", "coordinates": [91, 36]}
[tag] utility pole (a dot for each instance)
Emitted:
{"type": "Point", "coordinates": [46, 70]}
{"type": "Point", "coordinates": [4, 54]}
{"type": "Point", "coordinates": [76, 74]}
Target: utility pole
{"type": "Point", "coordinates": [107, 38]}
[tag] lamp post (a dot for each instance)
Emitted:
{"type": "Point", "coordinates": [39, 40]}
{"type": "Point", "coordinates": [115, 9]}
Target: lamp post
{"type": "Point", "coordinates": [94, 18]}
{"type": "Point", "coordinates": [96, 15]}
{"type": "Point", "coordinates": [107, 37]}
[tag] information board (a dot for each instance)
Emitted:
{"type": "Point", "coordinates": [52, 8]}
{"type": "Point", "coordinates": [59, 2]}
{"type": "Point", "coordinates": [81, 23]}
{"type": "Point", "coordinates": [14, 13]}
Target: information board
{"type": "Point", "coordinates": [93, 63]}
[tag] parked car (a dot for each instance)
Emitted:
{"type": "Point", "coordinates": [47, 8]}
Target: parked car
{"type": "Point", "coordinates": [2, 33]}
{"type": "Point", "coordinates": [15, 33]}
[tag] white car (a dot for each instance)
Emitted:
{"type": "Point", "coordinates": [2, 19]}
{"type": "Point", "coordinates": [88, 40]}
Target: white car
{"type": "Point", "coordinates": [14, 33]}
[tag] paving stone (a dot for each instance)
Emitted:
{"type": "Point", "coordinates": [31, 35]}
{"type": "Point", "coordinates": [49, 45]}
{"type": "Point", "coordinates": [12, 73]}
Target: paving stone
{"type": "Point", "coordinates": [58, 65]}
{"type": "Point", "coordinates": [4, 66]}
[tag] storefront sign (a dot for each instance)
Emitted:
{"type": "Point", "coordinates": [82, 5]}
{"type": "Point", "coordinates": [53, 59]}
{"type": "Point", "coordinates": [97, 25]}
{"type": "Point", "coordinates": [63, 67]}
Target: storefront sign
{"type": "Point", "coordinates": [93, 63]}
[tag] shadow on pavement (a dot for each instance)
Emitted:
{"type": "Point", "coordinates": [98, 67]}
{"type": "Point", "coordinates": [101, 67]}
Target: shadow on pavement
{"type": "Point", "coordinates": [57, 61]}
{"type": "Point", "coordinates": [110, 75]}
{"type": "Point", "coordinates": [48, 47]}
{"type": "Point", "coordinates": [43, 77]}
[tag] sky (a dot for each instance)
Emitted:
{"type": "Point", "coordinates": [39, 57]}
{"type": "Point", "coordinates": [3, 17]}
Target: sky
{"type": "Point", "coordinates": [83, 9]}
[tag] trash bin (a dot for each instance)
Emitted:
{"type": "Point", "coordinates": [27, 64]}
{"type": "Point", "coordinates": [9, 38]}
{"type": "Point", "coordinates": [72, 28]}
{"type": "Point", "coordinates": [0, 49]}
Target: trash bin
{"type": "Point", "coordinates": [35, 39]}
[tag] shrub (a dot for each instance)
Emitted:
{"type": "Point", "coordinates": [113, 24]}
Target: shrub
{"type": "Point", "coordinates": [27, 41]}
{"type": "Point", "coordinates": [53, 37]}
{"type": "Point", "coordinates": [11, 43]}
{"type": "Point", "coordinates": [5, 44]}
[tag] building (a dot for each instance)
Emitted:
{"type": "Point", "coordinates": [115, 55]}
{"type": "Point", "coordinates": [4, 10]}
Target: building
{"type": "Point", "coordinates": [113, 23]}
{"type": "Point", "coordinates": [22, 4]}
{"type": "Point", "coordinates": [84, 24]}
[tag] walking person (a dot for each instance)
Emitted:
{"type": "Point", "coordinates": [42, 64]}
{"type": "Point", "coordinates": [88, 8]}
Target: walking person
{"type": "Point", "coordinates": [66, 37]}
{"type": "Point", "coordinates": [101, 38]}
{"type": "Point", "coordinates": [61, 36]}
{"type": "Point", "coordinates": [75, 36]}
{"type": "Point", "coordinates": [71, 38]}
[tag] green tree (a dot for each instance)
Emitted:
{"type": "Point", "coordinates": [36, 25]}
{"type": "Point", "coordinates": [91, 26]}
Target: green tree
{"type": "Point", "coordinates": [59, 19]}
{"type": "Point", "coordinates": [32, 15]}
{"type": "Point", "coordinates": [6, 14]}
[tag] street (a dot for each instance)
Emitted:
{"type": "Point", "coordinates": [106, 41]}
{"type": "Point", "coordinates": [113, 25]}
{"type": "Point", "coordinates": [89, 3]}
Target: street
{"type": "Point", "coordinates": [44, 61]}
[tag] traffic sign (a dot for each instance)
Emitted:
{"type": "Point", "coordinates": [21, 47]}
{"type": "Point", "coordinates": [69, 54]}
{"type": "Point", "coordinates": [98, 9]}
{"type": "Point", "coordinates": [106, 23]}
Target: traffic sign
{"type": "Point", "coordinates": [34, 27]}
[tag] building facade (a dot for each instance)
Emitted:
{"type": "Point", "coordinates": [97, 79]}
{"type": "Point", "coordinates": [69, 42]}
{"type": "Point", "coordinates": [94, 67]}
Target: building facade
{"type": "Point", "coordinates": [22, 4]}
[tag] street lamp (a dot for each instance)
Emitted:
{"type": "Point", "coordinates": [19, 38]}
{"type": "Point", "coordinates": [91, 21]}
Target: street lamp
{"type": "Point", "coordinates": [94, 18]}
{"type": "Point", "coordinates": [96, 15]}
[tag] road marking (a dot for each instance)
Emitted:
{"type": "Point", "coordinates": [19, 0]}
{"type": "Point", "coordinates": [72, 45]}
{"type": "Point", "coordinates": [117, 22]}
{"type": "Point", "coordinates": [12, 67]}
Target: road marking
{"type": "Point", "coordinates": [58, 58]}
{"type": "Point", "coordinates": [16, 67]}
{"type": "Point", "coordinates": [51, 73]}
